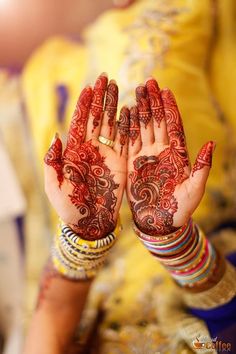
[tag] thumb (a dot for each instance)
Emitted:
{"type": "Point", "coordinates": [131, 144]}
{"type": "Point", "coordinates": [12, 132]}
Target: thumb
{"type": "Point", "coordinates": [202, 166]}
{"type": "Point", "coordinates": [53, 158]}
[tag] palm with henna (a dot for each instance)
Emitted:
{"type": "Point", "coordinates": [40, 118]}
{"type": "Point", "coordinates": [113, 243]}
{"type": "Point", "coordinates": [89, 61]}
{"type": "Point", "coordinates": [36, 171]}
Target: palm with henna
{"type": "Point", "coordinates": [162, 188]}
{"type": "Point", "coordinates": [85, 183]}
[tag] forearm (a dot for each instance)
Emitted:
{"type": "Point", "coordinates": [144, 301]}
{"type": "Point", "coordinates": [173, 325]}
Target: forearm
{"type": "Point", "coordinates": [64, 288]}
{"type": "Point", "coordinates": [60, 305]}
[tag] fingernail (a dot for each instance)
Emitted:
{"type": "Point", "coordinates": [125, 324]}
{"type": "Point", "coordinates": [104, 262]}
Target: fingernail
{"type": "Point", "coordinates": [214, 146]}
{"type": "Point", "coordinates": [104, 74]}
{"type": "Point", "coordinates": [112, 81]}
{"type": "Point", "coordinates": [149, 79]}
{"type": "Point", "coordinates": [55, 137]}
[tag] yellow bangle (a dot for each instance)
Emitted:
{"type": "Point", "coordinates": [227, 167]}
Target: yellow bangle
{"type": "Point", "coordinates": [77, 258]}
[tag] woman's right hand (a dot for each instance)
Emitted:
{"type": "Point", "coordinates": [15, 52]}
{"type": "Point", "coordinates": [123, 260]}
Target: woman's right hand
{"type": "Point", "coordinates": [85, 183]}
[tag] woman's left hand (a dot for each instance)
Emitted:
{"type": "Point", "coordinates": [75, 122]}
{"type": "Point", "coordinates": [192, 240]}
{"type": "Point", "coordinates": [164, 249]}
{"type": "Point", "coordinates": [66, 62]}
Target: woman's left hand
{"type": "Point", "coordinates": [162, 189]}
{"type": "Point", "coordinates": [85, 183]}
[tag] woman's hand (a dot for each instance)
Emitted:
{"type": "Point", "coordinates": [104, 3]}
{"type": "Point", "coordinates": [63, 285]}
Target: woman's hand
{"type": "Point", "coordinates": [162, 189]}
{"type": "Point", "coordinates": [85, 183]}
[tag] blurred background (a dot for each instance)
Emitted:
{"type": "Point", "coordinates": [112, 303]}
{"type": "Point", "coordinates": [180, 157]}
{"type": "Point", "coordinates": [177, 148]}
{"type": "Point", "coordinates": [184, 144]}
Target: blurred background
{"type": "Point", "coordinates": [49, 50]}
{"type": "Point", "coordinates": [26, 24]}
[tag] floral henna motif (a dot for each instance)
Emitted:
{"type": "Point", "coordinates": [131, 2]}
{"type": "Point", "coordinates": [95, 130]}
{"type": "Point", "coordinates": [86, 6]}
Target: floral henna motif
{"type": "Point", "coordinates": [155, 101]}
{"type": "Point", "coordinates": [111, 103]}
{"type": "Point", "coordinates": [123, 127]}
{"type": "Point", "coordinates": [143, 105]}
{"type": "Point", "coordinates": [204, 157]}
{"type": "Point", "coordinates": [93, 191]}
{"type": "Point", "coordinates": [155, 178]}
{"type": "Point", "coordinates": [98, 98]}
{"type": "Point", "coordinates": [134, 129]}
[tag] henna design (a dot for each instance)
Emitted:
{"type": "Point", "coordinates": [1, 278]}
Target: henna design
{"type": "Point", "coordinates": [93, 191]}
{"type": "Point", "coordinates": [204, 157]}
{"type": "Point", "coordinates": [78, 124]}
{"type": "Point", "coordinates": [53, 158]}
{"type": "Point", "coordinates": [123, 127]}
{"type": "Point", "coordinates": [155, 178]}
{"type": "Point", "coordinates": [134, 129]}
{"type": "Point", "coordinates": [155, 101]}
{"type": "Point", "coordinates": [111, 103]}
{"type": "Point", "coordinates": [175, 128]}
{"type": "Point", "coordinates": [97, 102]}
{"type": "Point", "coordinates": [85, 170]}
{"type": "Point", "coordinates": [49, 273]}
{"type": "Point", "coordinates": [143, 104]}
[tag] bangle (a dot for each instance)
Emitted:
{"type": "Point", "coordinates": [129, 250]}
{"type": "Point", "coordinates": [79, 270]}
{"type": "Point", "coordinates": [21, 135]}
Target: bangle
{"type": "Point", "coordinates": [79, 259]}
{"type": "Point", "coordinates": [186, 253]}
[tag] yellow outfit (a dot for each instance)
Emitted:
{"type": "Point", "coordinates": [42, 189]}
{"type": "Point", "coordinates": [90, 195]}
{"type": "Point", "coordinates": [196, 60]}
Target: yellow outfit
{"type": "Point", "coordinates": [181, 43]}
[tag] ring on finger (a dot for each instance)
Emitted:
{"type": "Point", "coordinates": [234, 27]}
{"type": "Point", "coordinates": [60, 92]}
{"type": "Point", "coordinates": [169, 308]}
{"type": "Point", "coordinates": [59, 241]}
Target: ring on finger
{"type": "Point", "coordinates": [105, 141]}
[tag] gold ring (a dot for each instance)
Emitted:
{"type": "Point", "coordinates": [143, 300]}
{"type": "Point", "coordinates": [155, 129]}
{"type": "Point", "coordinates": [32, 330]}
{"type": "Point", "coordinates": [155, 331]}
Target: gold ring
{"type": "Point", "coordinates": [105, 141]}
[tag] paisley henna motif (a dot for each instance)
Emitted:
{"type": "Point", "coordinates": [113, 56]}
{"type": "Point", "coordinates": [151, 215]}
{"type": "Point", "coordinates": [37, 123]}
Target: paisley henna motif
{"type": "Point", "coordinates": [98, 98]}
{"type": "Point", "coordinates": [134, 129]}
{"type": "Point", "coordinates": [143, 104]}
{"type": "Point", "coordinates": [93, 191]}
{"type": "Point", "coordinates": [155, 178]}
{"type": "Point", "coordinates": [204, 157]}
{"type": "Point", "coordinates": [111, 103]}
{"type": "Point", "coordinates": [155, 101]}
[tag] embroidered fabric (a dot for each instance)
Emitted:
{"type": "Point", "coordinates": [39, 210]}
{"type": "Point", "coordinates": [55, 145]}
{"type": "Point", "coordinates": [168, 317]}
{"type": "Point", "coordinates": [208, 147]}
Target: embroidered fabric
{"type": "Point", "coordinates": [220, 294]}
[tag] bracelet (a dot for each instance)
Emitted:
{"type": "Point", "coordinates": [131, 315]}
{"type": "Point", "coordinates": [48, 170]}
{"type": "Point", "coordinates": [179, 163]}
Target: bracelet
{"type": "Point", "coordinates": [79, 259]}
{"type": "Point", "coordinates": [186, 253]}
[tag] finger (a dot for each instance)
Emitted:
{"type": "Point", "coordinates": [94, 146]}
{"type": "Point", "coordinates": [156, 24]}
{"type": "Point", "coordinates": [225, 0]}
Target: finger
{"type": "Point", "coordinates": [134, 132]}
{"type": "Point", "coordinates": [202, 166]}
{"type": "Point", "coordinates": [53, 163]}
{"type": "Point", "coordinates": [175, 129]}
{"type": "Point", "coordinates": [77, 130]}
{"type": "Point", "coordinates": [95, 116]}
{"type": "Point", "coordinates": [122, 132]}
{"type": "Point", "coordinates": [109, 117]}
{"type": "Point", "coordinates": [145, 115]}
{"type": "Point", "coordinates": [157, 109]}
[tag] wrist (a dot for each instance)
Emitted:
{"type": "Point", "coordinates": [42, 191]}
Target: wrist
{"type": "Point", "coordinates": [77, 258]}
{"type": "Point", "coordinates": [160, 237]}
{"type": "Point", "coordinates": [92, 236]}
{"type": "Point", "coordinates": [186, 254]}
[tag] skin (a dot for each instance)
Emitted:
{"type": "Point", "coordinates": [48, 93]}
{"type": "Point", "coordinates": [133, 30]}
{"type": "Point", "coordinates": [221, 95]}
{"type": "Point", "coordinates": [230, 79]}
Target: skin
{"type": "Point", "coordinates": [85, 183]}
{"type": "Point", "coordinates": [154, 155]}
{"type": "Point", "coordinates": [162, 188]}
{"type": "Point", "coordinates": [72, 186]}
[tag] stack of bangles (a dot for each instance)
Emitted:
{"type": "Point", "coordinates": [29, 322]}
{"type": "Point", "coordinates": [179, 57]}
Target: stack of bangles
{"type": "Point", "coordinates": [186, 254]}
{"type": "Point", "coordinates": [79, 259]}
